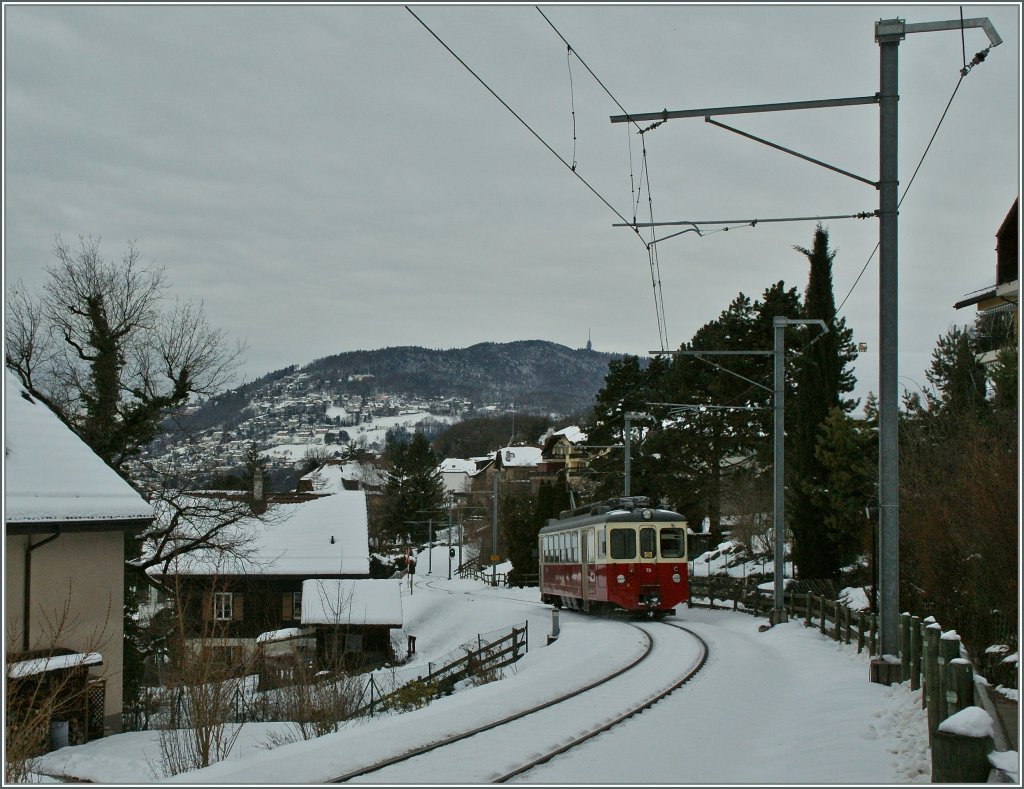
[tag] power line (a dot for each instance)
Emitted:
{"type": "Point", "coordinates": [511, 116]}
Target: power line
{"type": "Point", "coordinates": [652, 253]}
{"type": "Point", "coordinates": [577, 54]}
{"type": "Point", "coordinates": [907, 189]}
{"type": "Point", "coordinates": [518, 118]}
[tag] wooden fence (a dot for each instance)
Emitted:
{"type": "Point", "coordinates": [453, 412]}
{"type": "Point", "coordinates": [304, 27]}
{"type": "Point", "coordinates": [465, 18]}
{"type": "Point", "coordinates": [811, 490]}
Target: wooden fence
{"type": "Point", "coordinates": [931, 660]}
{"type": "Point", "coordinates": [487, 659]}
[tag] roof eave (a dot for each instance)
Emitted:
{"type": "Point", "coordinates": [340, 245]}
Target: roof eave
{"type": "Point", "coordinates": [137, 525]}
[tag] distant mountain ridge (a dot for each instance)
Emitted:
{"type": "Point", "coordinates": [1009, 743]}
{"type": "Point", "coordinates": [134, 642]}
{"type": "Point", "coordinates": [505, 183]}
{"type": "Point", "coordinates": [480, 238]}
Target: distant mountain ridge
{"type": "Point", "coordinates": [535, 376]}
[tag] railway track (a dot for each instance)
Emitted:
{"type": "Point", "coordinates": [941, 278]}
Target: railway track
{"type": "Point", "coordinates": [515, 744]}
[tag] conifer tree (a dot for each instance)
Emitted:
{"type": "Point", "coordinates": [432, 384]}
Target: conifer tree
{"type": "Point", "coordinates": [629, 386]}
{"type": "Point", "coordinates": [823, 377]}
{"type": "Point", "coordinates": [414, 485]}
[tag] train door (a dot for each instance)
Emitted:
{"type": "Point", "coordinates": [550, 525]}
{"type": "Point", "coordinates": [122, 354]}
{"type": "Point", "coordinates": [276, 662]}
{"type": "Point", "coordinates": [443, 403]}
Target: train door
{"type": "Point", "coordinates": [585, 542]}
{"type": "Point", "coordinates": [647, 556]}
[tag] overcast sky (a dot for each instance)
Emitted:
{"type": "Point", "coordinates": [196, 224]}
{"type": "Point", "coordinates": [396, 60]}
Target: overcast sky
{"type": "Point", "coordinates": [330, 178]}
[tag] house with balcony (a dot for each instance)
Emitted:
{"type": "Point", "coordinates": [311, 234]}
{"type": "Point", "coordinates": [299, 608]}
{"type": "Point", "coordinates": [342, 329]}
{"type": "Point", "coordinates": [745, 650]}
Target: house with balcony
{"type": "Point", "coordinates": [999, 301]}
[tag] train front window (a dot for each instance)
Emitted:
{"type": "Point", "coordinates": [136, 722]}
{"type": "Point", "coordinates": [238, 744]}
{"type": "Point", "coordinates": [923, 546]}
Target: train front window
{"type": "Point", "coordinates": [648, 545]}
{"type": "Point", "coordinates": [673, 545]}
{"type": "Point", "coordinates": [623, 543]}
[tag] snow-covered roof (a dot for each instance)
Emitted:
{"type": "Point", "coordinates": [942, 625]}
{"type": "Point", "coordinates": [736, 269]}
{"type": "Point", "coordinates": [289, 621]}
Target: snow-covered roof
{"type": "Point", "coordinates": [324, 536]}
{"type": "Point", "coordinates": [51, 475]}
{"type": "Point", "coordinates": [327, 478]}
{"type": "Point", "coordinates": [284, 634]}
{"type": "Point", "coordinates": [27, 668]}
{"type": "Point", "coordinates": [453, 465]}
{"type": "Point", "coordinates": [519, 456]}
{"type": "Point", "coordinates": [573, 434]}
{"type": "Point", "coordinates": [354, 602]}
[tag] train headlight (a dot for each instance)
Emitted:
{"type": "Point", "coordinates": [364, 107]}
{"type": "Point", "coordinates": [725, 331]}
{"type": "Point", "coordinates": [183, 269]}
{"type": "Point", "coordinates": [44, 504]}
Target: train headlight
{"type": "Point", "coordinates": [648, 514]}
{"type": "Point", "coordinates": [676, 577]}
{"type": "Point", "coordinates": [620, 578]}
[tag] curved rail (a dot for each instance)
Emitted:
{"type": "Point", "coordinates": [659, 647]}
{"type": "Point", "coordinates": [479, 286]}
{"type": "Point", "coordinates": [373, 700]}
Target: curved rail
{"type": "Point", "coordinates": [619, 719]}
{"type": "Point", "coordinates": [633, 710]}
{"type": "Point", "coordinates": [501, 722]}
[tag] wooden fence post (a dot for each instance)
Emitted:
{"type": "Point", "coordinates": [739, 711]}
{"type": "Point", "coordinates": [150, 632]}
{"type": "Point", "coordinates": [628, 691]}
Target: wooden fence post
{"type": "Point", "coordinates": [960, 694]}
{"type": "Point", "coordinates": [808, 609]}
{"type": "Point", "coordinates": [873, 643]}
{"type": "Point", "coordinates": [961, 747]}
{"type": "Point", "coordinates": [932, 683]}
{"type": "Point", "coordinates": [847, 623]}
{"type": "Point", "coordinates": [824, 616]}
{"type": "Point", "coordinates": [861, 619]}
{"type": "Point", "coordinates": [915, 653]}
{"type": "Point", "coordinates": [904, 642]}
{"type": "Point", "coordinates": [949, 650]}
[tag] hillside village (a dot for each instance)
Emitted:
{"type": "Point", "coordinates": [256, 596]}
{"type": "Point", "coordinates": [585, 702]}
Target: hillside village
{"type": "Point", "coordinates": [333, 406]}
{"type": "Point", "coordinates": [291, 417]}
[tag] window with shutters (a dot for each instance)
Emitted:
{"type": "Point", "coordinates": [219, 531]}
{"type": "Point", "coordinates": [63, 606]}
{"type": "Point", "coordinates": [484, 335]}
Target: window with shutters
{"type": "Point", "coordinates": [296, 605]}
{"type": "Point", "coordinates": [222, 606]}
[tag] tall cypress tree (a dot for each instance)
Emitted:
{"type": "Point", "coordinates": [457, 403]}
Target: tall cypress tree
{"type": "Point", "coordinates": [823, 377]}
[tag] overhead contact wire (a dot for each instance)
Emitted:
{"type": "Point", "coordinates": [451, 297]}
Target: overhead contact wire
{"type": "Point", "coordinates": [529, 128]}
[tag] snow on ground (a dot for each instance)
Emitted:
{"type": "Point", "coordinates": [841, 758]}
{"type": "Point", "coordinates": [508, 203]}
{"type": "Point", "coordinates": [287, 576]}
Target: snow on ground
{"type": "Point", "coordinates": [783, 706]}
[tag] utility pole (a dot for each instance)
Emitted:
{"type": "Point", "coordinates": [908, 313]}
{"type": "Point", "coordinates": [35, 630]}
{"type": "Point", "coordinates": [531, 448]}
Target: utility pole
{"type": "Point", "coordinates": [778, 390]}
{"type": "Point", "coordinates": [888, 34]}
{"type": "Point", "coordinates": [628, 415]}
{"type": "Point", "coordinates": [450, 551]}
{"type": "Point", "coordinates": [494, 532]}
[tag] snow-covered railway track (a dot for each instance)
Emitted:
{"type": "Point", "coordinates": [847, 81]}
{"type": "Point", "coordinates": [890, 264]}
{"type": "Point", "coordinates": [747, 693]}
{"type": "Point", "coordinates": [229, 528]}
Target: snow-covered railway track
{"type": "Point", "coordinates": [517, 743]}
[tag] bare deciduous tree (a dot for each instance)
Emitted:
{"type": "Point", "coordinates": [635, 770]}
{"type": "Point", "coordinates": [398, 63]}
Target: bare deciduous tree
{"type": "Point", "coordinates": [100, 344]}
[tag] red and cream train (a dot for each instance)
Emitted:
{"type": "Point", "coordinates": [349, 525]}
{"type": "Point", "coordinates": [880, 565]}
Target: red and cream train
{"type": "Point", "coordinates": [616, 555]}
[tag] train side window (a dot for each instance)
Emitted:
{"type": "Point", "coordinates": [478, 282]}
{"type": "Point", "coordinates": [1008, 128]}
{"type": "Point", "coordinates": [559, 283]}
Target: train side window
{"type": "Point", "coordinates": [590, 545]}
{"type": "Point", "coordinates": [673, 544]}
{"type": "Point", "coordinates": [623, 543]}
{"type": "Point", "coordinates": [602, 544]}
{"type": "Point", "coordinates": [575, 537]}
{"type": "Point", "coordinates": [648, 546]}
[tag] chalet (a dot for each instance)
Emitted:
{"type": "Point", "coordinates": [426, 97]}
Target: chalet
{"type": "Point", "coordinates": [514, 464]}
{"type": "Point", "coordinates": [563, 455]}
{"type": "Point", "coordinates": [66, 513]}
{"type": "Point", "coordinates": [243, 605]}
